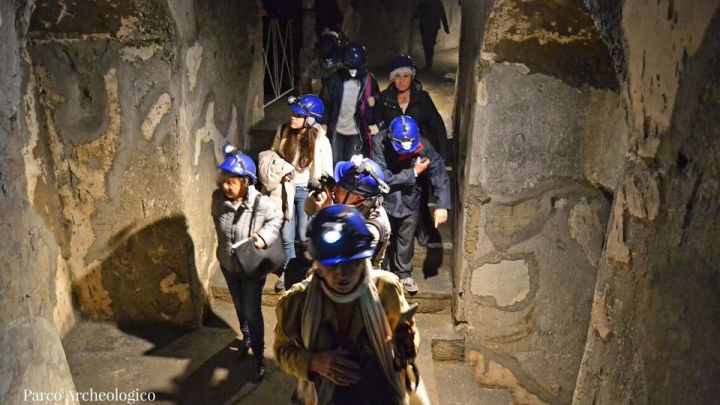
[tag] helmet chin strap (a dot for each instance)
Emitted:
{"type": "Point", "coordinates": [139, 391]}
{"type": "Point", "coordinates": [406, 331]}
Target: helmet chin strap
{"type": "Point", "coordinates": [306, 124]}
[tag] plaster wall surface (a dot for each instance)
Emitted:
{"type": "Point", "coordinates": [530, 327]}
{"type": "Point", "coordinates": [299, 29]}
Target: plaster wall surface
{"type": "Point", "coordinates": [534, 158]}
{"type": "Point", "coordinates": [130, 124]}
{"type": "Point", "coordinates": [35, 302]}
{"type": "Point", "coordinates": [111, 123]}
{"type": "Point", "coordinates": [654, 321]}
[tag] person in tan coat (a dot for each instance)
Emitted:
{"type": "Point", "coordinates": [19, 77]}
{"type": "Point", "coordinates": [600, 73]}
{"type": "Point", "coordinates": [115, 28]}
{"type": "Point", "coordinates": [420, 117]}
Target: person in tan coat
{"type": "Point", "coordinates": [342, 331]}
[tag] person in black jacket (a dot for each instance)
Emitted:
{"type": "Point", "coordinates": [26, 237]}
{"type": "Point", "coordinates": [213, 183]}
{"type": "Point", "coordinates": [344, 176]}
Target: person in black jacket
{"type": "Point", "coordinates": [431, 13]}
{"type": "Point", "coordinates": [349, 96]}
{"type": "Point", "coordinates": [408, 161]}
{"type": "Point", "coordinates": [404, 95]}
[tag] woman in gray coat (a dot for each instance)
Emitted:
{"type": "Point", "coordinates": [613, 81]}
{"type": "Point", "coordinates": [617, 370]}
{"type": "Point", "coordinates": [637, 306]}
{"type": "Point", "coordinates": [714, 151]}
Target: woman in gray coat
{"type": "Point", "coordinates": [232, 205]}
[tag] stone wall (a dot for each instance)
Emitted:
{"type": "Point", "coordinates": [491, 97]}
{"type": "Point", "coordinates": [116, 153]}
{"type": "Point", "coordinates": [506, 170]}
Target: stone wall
{"type": "Point", "coordinates": [588, 166]}
{"type": "Point", "coordinates": [35, 298]}
{"type": "Point", "coordinates": [113, 114]}
{"type": "Point", "coordinates": [540, 147]}
{"type": "Point", "coordinates": [655, 324]}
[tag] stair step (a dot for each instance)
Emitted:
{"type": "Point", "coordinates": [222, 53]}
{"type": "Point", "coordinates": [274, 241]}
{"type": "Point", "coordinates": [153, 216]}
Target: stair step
{"type": "Point", "coordinates": [434, 296]}
{"type": "Point", "coordinates": [433, 256]}
{"type": "Point", "coordinates": [447, 344]}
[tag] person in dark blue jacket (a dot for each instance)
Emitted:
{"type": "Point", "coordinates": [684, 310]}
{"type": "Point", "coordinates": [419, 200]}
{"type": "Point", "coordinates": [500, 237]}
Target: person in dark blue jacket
{"type": "Point", "coordinates": [408, 160]}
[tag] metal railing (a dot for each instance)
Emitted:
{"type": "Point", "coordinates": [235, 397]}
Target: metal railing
{"type": "Point", "coordinates": [279, 63]}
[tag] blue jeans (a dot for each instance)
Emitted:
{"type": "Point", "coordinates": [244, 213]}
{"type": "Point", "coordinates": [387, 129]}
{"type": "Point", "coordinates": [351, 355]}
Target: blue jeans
{"type": "Point", "coordinates": [246, 294]}
{"type": "Point", "coordinates": [294, 229]}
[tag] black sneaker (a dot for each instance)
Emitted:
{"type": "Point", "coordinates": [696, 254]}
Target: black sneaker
{"type": "Point", "coordinates": [244, 348]}
{"type": "Point", "coordinates": [410, 285]}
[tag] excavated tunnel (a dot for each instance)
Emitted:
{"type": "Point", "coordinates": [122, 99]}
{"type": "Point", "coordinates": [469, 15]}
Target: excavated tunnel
{"type": "Point", "coordinates": [580, 263]}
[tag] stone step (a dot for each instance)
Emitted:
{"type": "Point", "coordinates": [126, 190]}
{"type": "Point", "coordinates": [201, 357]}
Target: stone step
{"type": "Point", "coordinates": [434, 296]}
{"type": "Point", "coordinates": [446, 342]}
{"type": "Point", "coordinates": [435, 255]}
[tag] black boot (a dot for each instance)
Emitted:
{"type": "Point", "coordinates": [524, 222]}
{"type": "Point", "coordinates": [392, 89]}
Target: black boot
{"type": "Point", "coordinates": [244, 348]}
{"type": "Point", "coordinates": [259, 369]}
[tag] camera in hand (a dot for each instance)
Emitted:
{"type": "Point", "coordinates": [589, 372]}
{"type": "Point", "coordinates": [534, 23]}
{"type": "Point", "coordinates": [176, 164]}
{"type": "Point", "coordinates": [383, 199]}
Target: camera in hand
{"type": "Point", "coordinates": [323, 184]}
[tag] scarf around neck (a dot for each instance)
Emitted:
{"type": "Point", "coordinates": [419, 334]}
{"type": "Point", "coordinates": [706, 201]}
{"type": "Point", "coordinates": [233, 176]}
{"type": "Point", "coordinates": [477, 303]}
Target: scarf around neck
{"type": "Point", "coordinates": [374, 319]}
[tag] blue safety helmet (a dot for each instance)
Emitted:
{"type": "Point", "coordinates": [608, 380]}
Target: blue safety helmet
{"type": "Point", "coordinates": [308, 105]}
{"type": "Point", "coordinates": [404, 134]}
{"type": "Point", "coordinates": [329, 44]}
{"type": "Point", "coordinates": [361, 176]}
{"type": "Point", "coordinates": [338, 234]}
{"type": "Point", "coordinates": [238, 163]}
{"type": "Point", "coordinates": [354, 56]}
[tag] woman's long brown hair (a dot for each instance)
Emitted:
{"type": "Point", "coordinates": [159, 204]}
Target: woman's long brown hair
{"type": "Point", "coordinates": [302, 142]}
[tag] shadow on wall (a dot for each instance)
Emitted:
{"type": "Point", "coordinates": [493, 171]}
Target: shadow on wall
{"type": "Point", "coordinates": [150, 278]}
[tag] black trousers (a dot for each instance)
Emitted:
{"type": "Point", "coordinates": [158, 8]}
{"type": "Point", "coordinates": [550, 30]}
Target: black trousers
{"type": "Point", "coordinates": [246, 294]}
{"type": "Point", "coordinates": [402, 244]}
{"type": "Point", "coordinates": [429, 37]}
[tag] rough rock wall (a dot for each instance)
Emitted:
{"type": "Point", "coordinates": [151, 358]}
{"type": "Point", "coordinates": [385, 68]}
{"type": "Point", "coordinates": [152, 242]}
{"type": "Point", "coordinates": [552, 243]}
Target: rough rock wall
{"type": "Point", "coordinates": [655, 321]}
{"type": "Point", "coordinates": [127, 105]}
{"type": "Point", "coordinates": [541, 126]}
{"type": "Point", "coordinates": [112, 117]}
{"type": "Point", "coordinates": [33, 279]}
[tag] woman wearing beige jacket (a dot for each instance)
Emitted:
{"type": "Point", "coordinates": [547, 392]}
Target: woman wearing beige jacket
{"type": "Point", "coordinates": [303, 144]}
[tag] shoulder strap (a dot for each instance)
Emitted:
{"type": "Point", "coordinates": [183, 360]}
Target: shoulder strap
{"type": "Point", "coordinates": [253, 215]}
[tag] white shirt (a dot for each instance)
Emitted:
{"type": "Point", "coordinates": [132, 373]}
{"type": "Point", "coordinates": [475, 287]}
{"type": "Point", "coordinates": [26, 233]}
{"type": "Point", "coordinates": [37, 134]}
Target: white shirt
{"type": "Point", "coordinates": [346, 119]}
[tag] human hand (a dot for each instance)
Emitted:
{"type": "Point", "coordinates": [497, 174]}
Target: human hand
{"type": "Point", "coordinates": [421, 164]}
{"type": "Point", "coordinates": [286, 178]}
{"type": "Point", "coordinates": [371, 101]}
{"type": "Point", "coordinates": [316, 202]}
{"type": "Point", "coordinates": [440, 215]}
{"type": "Point", "coordinates": [336, 367]}
{"type": "Point", "coordinates": [321, 198]}
{"type": "Point", "coordinates": [374, 129]}
{"type": "Point", "coordinates": [258, 242]}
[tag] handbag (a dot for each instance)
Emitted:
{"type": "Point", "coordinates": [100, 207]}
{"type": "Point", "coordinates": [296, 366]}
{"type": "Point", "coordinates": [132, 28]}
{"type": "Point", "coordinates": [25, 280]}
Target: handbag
{"type": "Point", "coordinates": [257, 263]}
